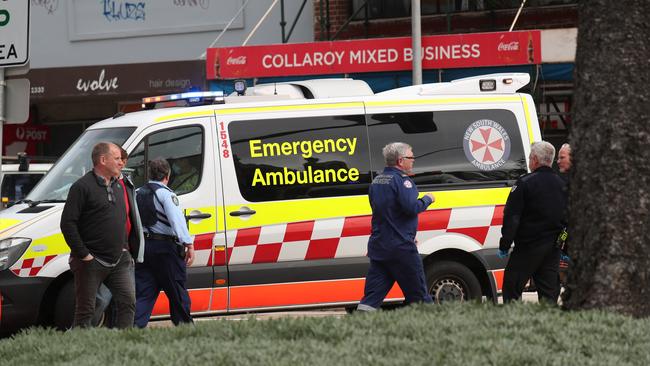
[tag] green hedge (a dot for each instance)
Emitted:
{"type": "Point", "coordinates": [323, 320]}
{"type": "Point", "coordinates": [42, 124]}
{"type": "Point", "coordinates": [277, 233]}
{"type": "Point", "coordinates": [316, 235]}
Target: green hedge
{"type": "Point", "coordinates": [455, 334]}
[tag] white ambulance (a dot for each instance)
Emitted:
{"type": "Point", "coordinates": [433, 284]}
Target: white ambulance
{"type": "Point", "coordinates": [276, 197]}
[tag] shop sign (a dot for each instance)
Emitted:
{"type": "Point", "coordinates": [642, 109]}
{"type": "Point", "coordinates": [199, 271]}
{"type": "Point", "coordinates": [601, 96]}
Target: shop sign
{"type": "Point", "coordinates": [137, 80]}
{"type": "Point", "coordinates": [26, 133]}
{"type": "Point", "coordinates": [374, 55]}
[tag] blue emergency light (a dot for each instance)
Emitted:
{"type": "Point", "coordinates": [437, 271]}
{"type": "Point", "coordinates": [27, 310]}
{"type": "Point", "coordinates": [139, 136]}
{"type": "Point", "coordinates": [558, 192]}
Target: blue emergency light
{"type": "Point", "coordinates": [183, 99]}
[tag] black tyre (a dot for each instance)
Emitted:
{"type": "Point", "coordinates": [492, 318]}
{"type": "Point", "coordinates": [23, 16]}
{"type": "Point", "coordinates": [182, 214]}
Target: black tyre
{"type": "Point", "coordinates": [452, 281]}
{"type": "Point", "coordinates": [64, 309]}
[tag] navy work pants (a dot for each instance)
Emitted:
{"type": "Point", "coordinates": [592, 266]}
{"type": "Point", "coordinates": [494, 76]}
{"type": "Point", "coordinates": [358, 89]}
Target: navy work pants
{"type": "Point", "coordinates": [406, 269]}
{"type": "Point", "coordinates": [89, 275]}
{"type": "Point", "coordinates": [163, 269]}
{"type": "Point", "coordinates": [540, 262]}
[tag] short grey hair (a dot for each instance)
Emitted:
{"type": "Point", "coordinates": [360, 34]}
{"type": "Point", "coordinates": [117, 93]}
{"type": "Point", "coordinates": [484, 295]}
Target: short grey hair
{"type": "Point", "coordinates": [158, 169]}
{"type": "Point", "coordinates": [566, 146]}
{"type": "Point", "coordinates": [100, 149]}
{"type": "Point", "coordinates": [393, 151]}
{"type": "Point", "coordinates": [544, 152]}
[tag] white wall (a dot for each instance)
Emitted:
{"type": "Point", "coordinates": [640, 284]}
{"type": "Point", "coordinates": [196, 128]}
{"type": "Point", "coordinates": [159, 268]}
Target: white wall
{"type": "Point", "coordinates": [559, 45]}
{"type": "Point", "coordinates": [103, 32]}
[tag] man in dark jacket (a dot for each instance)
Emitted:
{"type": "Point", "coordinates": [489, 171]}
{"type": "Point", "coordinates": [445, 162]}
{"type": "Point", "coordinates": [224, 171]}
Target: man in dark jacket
{"type": "Point", "coordinates": [533, 218]}
{"type": "Point", "coordinates": [101, 226]}
{"type": "Point", "coordinates": [391, 247]}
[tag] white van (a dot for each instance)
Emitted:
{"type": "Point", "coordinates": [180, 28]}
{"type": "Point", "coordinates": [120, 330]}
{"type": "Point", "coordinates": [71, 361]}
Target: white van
{"type": "Point", "coordinates": [19, 177]}
{"type": "Point", "coordinates": [278, 204]}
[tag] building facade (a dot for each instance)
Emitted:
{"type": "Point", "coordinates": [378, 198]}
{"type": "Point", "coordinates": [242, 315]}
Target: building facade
{"type": "Point", "coordinates": [370, 40]}
{"type": "Point", "coordinates": [92, 59]}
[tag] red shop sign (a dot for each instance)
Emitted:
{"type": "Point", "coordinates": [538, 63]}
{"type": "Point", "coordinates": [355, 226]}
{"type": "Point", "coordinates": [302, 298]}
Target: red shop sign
{"type": "Point", "coordinates": [26, 133]}
{"type": "Point", "coordinates": [374, 55]}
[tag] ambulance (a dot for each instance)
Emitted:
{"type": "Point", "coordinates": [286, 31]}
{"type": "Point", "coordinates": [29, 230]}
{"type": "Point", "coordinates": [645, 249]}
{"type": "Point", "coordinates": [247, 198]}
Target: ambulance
{"type": "Point", "coordinates": [273, 181]}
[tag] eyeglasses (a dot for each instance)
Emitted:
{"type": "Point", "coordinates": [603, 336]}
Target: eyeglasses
{"type": "Point", "coordinates": [408, 157]}
{"type": "Point", "coordinates": [111, 195]}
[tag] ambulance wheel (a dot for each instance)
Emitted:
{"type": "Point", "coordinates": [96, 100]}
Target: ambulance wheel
{"type": "Point", "coordinates": [452, 281]}
{"type": "Point", "coordinates": [64, 307]}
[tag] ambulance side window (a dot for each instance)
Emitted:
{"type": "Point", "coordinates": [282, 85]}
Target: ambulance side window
{"type": "Point", "coordinates": [295, 158]}
{"type": "Point", "coordinates": [453, 146]}
{"type": "Point", "coordinates": [181, 147]}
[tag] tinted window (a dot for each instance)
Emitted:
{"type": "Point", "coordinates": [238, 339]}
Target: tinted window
{"type": "Point", "coordinates": [300, 157]}
{"type": "Point", "coordinates": [16, 186]}
{"type": "Point", "coordinates": [453, 146]}
{"type": "Point", "coordinates": [183, 150]}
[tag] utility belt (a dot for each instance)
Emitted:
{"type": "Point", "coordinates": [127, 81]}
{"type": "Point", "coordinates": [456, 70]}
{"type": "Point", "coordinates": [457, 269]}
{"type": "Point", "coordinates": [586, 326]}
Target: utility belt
{"type": "Point", "coordinates": [163, 237]}
{"type": "Point", "coordinates": [180, 248]}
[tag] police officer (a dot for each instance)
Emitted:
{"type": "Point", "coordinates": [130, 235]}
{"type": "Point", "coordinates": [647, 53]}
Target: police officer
{"type": "Point", "coordinates": [168, 249]}
{"type": "Point", "coordinates": [533, 218]}
{"type": "Point", "coordinates": [391, 247]}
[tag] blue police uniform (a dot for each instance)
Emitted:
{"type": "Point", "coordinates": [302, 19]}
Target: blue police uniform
{"type": "Point", "coordinates": [391, 247]}
{"type": "Point", "coordinates": [163, 267]}
{"type": "Point", "coordinates": [533, 218]}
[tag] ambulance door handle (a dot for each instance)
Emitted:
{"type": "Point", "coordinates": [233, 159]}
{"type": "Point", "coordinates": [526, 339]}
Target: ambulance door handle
{"type": "Point", "coordinates": [199, 216]}
{"type": "Point", "coordinates": [244, 211]}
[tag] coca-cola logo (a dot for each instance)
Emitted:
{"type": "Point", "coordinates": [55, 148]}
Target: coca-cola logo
{"type": "Point", "coordinates": [240, 60]}
{"type": "Point", "coordinates": [511, 46]}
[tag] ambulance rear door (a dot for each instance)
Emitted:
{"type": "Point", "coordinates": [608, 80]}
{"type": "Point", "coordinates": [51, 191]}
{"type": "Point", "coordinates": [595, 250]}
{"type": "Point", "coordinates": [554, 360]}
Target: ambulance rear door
{"type": "Point", "coordinates": [187, 143]}
{"type": "Point", "coordinates": [295, 181]}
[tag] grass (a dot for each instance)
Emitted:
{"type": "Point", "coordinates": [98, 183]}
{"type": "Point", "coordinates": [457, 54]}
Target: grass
{"type": "Point", "coordinates": [455, 334]}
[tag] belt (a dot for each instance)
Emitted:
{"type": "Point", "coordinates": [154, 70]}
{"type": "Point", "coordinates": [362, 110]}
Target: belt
{"type": "Point", "coordinates": [154, 236]}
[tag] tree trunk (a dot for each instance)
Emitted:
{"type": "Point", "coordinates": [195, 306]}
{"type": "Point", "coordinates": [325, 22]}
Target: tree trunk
{"type": "Point", "coordinates": [609, 200]}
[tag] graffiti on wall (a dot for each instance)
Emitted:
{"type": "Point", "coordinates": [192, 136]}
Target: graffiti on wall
{"type": "Point", "coordinates": [50, 5]}
{"type": "Point", "coordinates": [115, 10]}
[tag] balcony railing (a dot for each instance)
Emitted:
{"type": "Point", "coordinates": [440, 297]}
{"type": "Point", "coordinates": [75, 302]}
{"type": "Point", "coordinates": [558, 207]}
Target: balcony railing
{"type": "Point", "coordinates": [382, 9]}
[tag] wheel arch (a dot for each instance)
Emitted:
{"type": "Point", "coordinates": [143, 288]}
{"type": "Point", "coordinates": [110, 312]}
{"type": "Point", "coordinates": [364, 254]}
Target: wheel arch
{"type": "Point", "coordinates": [46, 308]}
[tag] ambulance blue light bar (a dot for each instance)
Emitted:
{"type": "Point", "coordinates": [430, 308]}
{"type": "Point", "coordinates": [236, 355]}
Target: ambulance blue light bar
{"type": "Point", "coordinates": [183, 99]}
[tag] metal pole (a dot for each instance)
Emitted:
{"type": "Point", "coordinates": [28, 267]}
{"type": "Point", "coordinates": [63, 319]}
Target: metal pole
{"type": "Point", "coordinates": [3, 84]}
{"type": "Point", "coordinates": [282, 22]}
{"type": "Point", "coordinates": [327, 19]}
{"type": "Point", "coordinates": [259, 23]}
{"type": "Point", "coordinates": [517, 16]}
{"type": "Point", "coordinates": [416, 36]}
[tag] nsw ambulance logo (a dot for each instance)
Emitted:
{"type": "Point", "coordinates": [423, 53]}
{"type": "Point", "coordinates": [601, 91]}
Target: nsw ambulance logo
{"type": "Point", "coordinates": [486, 144]}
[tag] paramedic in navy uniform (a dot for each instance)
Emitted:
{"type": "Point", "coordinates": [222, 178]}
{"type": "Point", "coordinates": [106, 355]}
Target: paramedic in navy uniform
{"type": "Point", "coordinates": [163, 267]}
{"type": "Point", "coordinates": [391, 247]}
{"type": "Point", "coordinates": [533, 218]}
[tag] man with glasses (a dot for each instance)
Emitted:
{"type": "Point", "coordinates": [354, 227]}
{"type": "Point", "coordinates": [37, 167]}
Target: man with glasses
{"type": "Point", "coordinates": [102, 228]}
{"type": "Point", "coordinates": [391, 248]}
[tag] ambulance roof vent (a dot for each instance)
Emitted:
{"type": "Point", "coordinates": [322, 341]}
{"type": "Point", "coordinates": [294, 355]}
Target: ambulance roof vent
{"type": "Point", "coordinates": [309, 89]}
{"type": "Point", "coordinates": [503, 83]}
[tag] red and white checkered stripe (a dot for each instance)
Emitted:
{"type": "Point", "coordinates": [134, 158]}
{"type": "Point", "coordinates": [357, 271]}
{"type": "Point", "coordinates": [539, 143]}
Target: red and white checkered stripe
{"type": "Point", "coordinates": [348, 237]}
{"type": "Point", "coordinates": [30, 267]}
{"type": "Point", "coordinates": [320, 239]}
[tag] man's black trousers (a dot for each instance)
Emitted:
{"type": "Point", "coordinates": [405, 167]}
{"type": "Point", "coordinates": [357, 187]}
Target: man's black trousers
{"type": "Point", "coordinates": [541, 263]}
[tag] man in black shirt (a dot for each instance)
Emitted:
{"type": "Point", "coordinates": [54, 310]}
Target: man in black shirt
{"type": "Point", "coordinates": [533, 218]}
{"type": "Point", "coordinates": [102, 228]}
